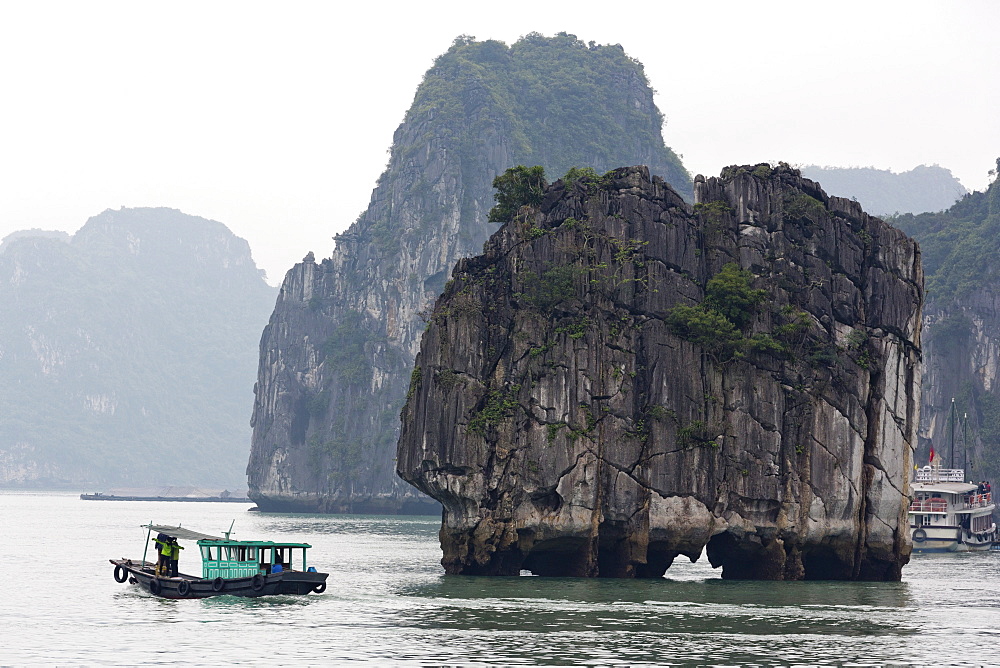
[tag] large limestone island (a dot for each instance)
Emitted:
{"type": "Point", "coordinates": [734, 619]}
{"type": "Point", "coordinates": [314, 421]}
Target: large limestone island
{"type": "Point", "coordinates": [336, 357]}
{"type": "Point", "coordinates": [621, 379]}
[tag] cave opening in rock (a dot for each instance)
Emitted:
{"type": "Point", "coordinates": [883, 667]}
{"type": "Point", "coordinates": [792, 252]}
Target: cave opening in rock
{"type": "Point", "coordinates": [559, 557]}
{"type": "Point", "coordinates": [823, 563]}
{"type": "Point", "coordinates": [658, 560]}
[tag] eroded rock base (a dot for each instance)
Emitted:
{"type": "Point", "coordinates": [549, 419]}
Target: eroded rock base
{"type": "Point", "coordinates": [493, 549]}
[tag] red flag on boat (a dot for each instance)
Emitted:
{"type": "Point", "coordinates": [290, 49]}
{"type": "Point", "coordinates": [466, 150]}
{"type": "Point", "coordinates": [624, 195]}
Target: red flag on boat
{"type": "Point", "coordinates": [932, 454]}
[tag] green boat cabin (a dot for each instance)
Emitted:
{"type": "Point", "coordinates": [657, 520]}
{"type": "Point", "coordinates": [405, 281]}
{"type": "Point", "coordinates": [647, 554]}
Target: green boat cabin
{"type": "Point", "coordinates": [246, 558]}
{"type": "Point", "coordinates": [227, 558]}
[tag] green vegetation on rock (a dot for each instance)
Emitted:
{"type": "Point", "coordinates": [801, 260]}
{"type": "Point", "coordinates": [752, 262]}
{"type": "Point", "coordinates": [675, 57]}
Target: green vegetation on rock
{"type": "Point", "coordinates": [518, 186]}
{"type": "Point", "coordinates": [500, 404]}
{"type": "Point", "coordinates": [959, 246]}
{"type": "Point", "coordinates": [959, 249]}
{"type": "Point", "coordinates": [729, 293]}
{"type": "Point", "coordinates": [717, 323]}
{"type": "Point", "coordinates": [567, 104]}
{"type": "Point", "coordinates": [346, 350]}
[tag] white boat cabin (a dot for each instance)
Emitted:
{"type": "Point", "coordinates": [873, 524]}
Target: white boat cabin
{"type": "Point", "coordinates": [948, 514]}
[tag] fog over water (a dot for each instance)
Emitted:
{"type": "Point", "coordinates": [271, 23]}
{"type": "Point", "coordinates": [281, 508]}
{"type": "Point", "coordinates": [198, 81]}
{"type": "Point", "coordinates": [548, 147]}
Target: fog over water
{"type": "Point", "coordinates": [276, 121]}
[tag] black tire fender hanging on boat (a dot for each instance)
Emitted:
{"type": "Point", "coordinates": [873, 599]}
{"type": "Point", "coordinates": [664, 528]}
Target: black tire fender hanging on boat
{"type": "Point", "coordinates": [257, 583]}
{"type": "Point", "coordinates": [320, 588]}
{"type": "Point", "coordinates": [183, 587]}
{"type": "Point", "coordinates": [218, 584]}
{"type": "Point", "coordinates": [155, 586]}
{"type": "Point", "coordinates": [121, 573]}
{"type": "Point", "coordinates": [919, 536]}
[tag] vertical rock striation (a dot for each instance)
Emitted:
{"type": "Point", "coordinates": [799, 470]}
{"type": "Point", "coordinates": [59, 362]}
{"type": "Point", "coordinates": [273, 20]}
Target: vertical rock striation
{"type": "Point", "coordinates": [604, 388]}
{"type": "Point", "coordinates": [336, 357]}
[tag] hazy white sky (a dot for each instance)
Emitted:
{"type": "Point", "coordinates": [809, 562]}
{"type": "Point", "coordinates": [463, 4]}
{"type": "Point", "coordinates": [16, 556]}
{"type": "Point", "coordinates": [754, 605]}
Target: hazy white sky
{"type": "Point", "coordinates": [275, 118]}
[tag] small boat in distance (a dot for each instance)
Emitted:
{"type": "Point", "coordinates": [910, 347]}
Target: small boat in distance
{"type": "Point", "coordinates": [228, 567]}
{"type": "Point", "coordinates": [948, 514]}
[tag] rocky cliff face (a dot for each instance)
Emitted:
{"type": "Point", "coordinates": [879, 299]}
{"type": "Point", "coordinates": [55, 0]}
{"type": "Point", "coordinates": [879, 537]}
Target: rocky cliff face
{"type": "Point", "coordinates": [962, 363]}
{"type": "Point", "coordinates": [127, 352]}
{"type": "Point", "coordinates": [962, 332]}
{"type": "Point", "coordinates": [336, 358]}
{"type": "Point", "coordinates": [607, 387]}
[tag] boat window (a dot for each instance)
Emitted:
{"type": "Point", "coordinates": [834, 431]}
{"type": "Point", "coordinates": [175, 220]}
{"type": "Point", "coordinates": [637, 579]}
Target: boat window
{"type": "Point", "coordinates": [925, 520]}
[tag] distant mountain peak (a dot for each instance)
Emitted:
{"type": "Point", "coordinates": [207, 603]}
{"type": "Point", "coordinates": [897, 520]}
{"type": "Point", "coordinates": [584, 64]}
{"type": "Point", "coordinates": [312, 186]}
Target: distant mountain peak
{"type": "Point", "coordinates": [884, 192]}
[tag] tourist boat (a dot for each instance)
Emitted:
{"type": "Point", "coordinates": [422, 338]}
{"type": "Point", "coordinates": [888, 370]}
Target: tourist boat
{"type": "Point", "coordinates": [228, 567]}
{"type": "Point", "coordinates": [948, 514]}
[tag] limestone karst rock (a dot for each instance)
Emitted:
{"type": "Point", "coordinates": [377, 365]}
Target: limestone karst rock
{"type": "Point", "coordinates": [336, 358]}
{"type": "Point", "coordinates": [961, 333]}
{"type": "Point", "coordinates": [128, 352]}
{"type": "Point", "coordinates": [604, 388]}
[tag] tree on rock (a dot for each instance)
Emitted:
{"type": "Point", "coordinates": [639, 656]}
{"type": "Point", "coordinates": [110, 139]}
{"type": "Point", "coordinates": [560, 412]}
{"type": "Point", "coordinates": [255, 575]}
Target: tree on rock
{"type": "Point", "coordinates": [518, 186]}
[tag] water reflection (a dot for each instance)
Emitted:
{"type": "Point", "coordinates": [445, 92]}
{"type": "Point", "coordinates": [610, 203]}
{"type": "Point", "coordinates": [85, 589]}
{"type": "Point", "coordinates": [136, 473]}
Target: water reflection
{"type": "Point", "coordinates": [706, 591]}
{"type": "Point", "coordinates": [657, 606]}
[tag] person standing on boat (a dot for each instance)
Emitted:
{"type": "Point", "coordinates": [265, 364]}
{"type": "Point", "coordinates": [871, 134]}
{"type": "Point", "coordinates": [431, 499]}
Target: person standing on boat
{"type": "Point", "coordinates": [163, 553]}
{"type": "Point", "coordinates": [175, 555]}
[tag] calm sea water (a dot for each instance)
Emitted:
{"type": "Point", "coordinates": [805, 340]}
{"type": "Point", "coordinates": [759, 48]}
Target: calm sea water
{"type": "Point", "coordinates": [388, 602]}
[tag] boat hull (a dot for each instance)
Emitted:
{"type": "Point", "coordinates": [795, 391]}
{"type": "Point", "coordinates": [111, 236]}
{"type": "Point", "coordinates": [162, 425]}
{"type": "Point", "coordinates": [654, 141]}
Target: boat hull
{"type": "Point", "coordinates": [187, 586]}
{"type": "Point", "coordinates": [954, 546]}
{"type": "Point", "coordinates": [947, 539]}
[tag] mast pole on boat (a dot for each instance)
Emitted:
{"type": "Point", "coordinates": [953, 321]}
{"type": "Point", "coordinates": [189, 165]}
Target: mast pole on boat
{"type": "Point", "coordinates": [951, 420]}
{"type": "Point", "coordinates": [149, 531]}
{"type": "Point", "coordinates": [965, 444]}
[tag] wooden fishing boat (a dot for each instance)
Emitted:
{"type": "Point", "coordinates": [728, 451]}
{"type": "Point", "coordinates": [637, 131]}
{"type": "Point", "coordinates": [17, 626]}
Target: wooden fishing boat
{"type": "Point", "coordinates": [228, 567]}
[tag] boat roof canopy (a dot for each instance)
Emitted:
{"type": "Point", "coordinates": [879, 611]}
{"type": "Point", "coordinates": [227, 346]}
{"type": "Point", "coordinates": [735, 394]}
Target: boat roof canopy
{"type": "Point", "coordinates": [946, 487]}
{"type": "Point", "coordinates": [180, 532]}
{"type": "Point", "coordinates": [206, 539]}
{"type": "Point", "coordinates": [249, 543]}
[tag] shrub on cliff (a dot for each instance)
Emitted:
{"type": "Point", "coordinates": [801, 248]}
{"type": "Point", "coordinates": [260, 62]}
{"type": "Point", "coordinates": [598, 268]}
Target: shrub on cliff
{"type": "Point", "coordinates": [707, 328]}
{"type": "Point", "coordinates": [718, 322]}
{"type": "Point", "coordinates": [518, 186]}
{"type": "Point", "coordinates": [729, 293]}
